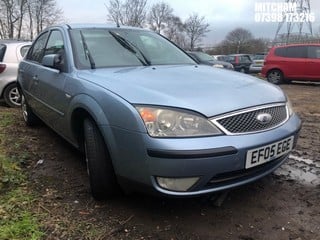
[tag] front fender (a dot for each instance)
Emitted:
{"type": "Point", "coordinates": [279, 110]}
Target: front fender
{"type": "Point", "coordinates": [110, 113]}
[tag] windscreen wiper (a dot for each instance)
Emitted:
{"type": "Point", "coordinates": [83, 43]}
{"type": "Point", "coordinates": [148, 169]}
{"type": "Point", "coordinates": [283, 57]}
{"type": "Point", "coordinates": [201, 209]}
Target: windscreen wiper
{"type": "Point", "coordinates": [87, 52]}
{"type": "Point", "coordinates": [132, 48]}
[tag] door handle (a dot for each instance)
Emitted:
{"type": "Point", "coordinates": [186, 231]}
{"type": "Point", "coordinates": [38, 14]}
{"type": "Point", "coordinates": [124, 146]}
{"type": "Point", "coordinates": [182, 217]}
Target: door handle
{"type": "Point", "coordinates": [35, 79]}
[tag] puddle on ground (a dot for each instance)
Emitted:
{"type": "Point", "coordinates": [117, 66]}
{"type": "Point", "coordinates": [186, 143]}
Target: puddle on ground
{"type": "Point", "coordinates": [306, 171]}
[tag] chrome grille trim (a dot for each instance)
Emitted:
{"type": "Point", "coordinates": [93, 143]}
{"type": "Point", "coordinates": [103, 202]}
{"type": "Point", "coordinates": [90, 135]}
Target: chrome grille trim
{"type": "Point", "coordinates": [222, 120]}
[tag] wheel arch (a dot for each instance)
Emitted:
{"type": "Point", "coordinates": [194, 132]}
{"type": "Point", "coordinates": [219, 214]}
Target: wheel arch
{"type": "Point", "coordinates": [87, 107]}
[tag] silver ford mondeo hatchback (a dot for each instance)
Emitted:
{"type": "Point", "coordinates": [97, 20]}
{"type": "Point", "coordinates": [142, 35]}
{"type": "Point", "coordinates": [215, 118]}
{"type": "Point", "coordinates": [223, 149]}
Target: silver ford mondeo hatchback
{"type": "Point", "coordinates": [148, 117]}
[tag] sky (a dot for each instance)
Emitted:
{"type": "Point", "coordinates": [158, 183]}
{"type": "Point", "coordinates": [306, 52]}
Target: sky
{"type": "Point", "coordinates": [223, 16]}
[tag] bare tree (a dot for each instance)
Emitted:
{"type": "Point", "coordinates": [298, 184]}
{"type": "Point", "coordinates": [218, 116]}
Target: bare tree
{"type": "Point", "coordinates": [114, 9]}
{"type": "Point", "coordinates": [22, 11]}
{"type": "Point", "coordinates": [239, 39]}
{"type": "Point", "coordinates": [159, 16]}
{"type": "Point", "coordinates": [30, 15]}
{"type": "Point", "coordinates": [127, 12]}
{"type": "Point", "coordinates": [9, 17]}
{"type": "Point", "coordinates": [175, 31]}
{"type": "Point", "coordinates": [196, 29]}
{"type": "Point", "coordinates": [46, 13]}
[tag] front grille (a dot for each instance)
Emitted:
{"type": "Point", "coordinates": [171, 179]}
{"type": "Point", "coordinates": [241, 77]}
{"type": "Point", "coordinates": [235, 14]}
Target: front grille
{"type": "Point", "coordinates": [246, 121]}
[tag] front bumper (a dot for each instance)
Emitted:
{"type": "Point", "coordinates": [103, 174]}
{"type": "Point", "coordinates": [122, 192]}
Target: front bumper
{"type": "Point", "coordinates": [219, 161]}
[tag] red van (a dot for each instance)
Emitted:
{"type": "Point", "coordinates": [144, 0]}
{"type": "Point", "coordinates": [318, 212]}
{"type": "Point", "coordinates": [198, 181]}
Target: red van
{"type": "Point", "coordinates": [292, 62]}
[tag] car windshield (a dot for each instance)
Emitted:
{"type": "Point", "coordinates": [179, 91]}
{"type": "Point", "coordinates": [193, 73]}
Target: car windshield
{"type": "Point", "coordinates": [100, 48]}
{"type": "Point", "coordinates": [259, 57]}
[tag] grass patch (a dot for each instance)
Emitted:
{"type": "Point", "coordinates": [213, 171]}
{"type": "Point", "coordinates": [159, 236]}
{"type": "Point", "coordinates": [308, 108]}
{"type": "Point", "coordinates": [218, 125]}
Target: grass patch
{"type": "Point", "coordinates": [17, 220]}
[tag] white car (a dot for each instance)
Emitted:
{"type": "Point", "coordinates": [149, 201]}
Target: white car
{"type": "Point", "coordinates": [11, 53]}
{"type": "Point", "coordinates": [257, 63]}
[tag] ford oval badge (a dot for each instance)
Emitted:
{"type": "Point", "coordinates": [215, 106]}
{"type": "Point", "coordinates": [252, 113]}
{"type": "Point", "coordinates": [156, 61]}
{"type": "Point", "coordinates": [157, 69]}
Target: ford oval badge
{"type": "Point", "coordinates": [264, 118]}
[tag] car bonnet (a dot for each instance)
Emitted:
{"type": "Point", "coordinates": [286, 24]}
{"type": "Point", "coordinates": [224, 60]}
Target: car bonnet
{"type": "Point", "coordinates": [203, 89]}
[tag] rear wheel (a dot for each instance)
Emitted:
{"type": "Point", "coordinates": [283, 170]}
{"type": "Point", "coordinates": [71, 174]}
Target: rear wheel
{"type": "Point", "coordinates": [275, 76]}
{"type": "Point", "coordinates": [28, 116]}
{"type": "Point", "coordinates": [12, 96]}
{"type": "Point", "coordinates": [243, 70]}
{"type": "Point", "coordinates": [102, 178]}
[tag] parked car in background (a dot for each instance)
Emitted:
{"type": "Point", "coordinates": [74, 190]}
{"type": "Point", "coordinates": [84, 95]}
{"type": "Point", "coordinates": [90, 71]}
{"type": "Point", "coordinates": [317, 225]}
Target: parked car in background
{"type": "Point", "coordinates": [11, 53]}
{"type": "Point", "coordinates": [240, 62]}
{"type": "Point", "coordinates": [257, 63]}
{"type": "Point", "coordinates": [206, 59]}
{"type": "Point", "coordinates": [148, 117]}
{"type": "Point", "coordinates": [292, 62]}
{"type": "Point", "coordinates": [219, 57]}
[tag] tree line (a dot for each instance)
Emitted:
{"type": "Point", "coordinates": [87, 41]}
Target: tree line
{"type": "Point", "coordinates": [24, 19]}
{"type": "Point", "coordinates": [160, 18]}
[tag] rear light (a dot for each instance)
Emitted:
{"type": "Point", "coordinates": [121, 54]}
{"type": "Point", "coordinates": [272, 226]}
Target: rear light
{"type": "Point", "coordinates": [2, 67]}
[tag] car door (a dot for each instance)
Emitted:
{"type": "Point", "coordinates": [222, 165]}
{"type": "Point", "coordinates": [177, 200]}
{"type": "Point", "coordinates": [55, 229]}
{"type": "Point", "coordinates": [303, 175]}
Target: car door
{"type": "Point", "coordinates": [245, 62]}
{"type": "Point", "coordinates": [295, 62]}
{"type": "Point", "coordinates": [28, 70]}
{"type": "Point", "coordinates": [313, 63]}
{"type": "Point", "coordinates": [51, 95]}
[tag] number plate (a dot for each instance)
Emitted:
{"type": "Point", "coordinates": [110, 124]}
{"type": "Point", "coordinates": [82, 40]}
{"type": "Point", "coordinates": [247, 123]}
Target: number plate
{"type": "Point", "coordinates": [269, 152]}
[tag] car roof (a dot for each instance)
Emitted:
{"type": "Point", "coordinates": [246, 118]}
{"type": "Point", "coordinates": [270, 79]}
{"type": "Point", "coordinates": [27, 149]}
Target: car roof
{"type": "Point", "coordinates": [298, 44]}
{"type": "Point", "coordinates": [239, 54]}
{"type": "Point", "coordinates": [195, 52]}
{"type": "Point", "coordinates": [12, 41]}
{"type": "Point", "coordinates": [94, 25]}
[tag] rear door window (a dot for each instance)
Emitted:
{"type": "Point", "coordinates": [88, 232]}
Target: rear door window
{"type": "Point", "coordinates": [24, 50]}
{"type": "Point", "coordinates": [314, 52]}
{"type": "Point", "coordinates": [280, 52]}
{"type": "Point", "coordinates": [37, 51]}
{"type": "Point", "coordinates": [245, 59]}
{"type": "Point", "coordinates": [296, 52]}
{"type": "Point", "coordinates": [230, 59]}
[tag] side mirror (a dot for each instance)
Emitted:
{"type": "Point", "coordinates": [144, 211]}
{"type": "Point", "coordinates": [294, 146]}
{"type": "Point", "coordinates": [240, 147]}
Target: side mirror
{"type": "Point", "coordinates": [52, 61]}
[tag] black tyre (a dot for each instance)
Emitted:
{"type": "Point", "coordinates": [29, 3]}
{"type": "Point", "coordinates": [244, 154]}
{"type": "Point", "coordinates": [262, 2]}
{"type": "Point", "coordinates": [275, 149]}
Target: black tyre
{"type": "Point", "coordinates": [275, 76]}
{"type": "Point", "coordinates": [103, 181]}
{"type": "Point", "coordinates": [28, 116]}
{"type": "Point", "coordinates": [242, 70]}
{"type": "Point", "coordinates": [12, 96]}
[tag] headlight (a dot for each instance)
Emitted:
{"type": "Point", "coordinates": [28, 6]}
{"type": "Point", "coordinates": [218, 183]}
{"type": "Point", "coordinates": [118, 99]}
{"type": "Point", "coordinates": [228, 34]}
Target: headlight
{"type": "Point", "coordinates": [289, 107]}
{"type": "Point", "coordinates": [162, 122]}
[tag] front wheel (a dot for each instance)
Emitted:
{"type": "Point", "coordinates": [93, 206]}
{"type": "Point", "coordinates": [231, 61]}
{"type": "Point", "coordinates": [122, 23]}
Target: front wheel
{"type": "Point", "coordinates": [102, 178]}
{"type": "Point", "coordinates": [28, 116]}
{"type": "Point", "coordinates": [275, 76]}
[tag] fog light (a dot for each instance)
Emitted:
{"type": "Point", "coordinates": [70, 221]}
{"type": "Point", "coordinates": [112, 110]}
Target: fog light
{"type": "Point", "coordinates": [177, 184]}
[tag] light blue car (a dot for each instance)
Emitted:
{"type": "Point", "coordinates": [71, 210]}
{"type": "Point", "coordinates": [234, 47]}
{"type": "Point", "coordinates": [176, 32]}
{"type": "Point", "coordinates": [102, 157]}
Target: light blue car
{"type": "Point", "coordinates": [147, 117]}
